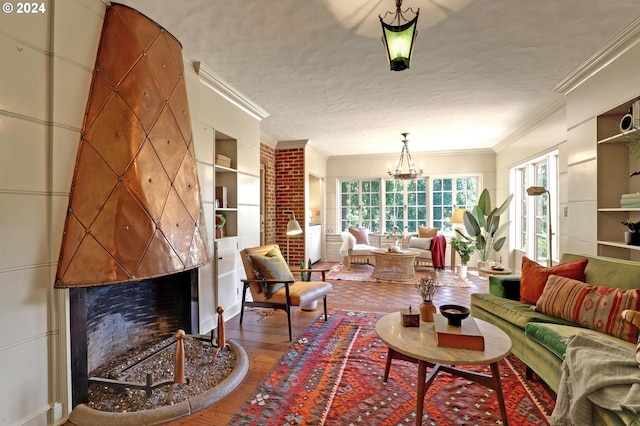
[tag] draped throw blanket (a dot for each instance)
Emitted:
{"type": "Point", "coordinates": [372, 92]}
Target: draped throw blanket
{"type": "Point", "coordinates": [596, 371]}
{"type": "Point", "coordinates": [438, 249]}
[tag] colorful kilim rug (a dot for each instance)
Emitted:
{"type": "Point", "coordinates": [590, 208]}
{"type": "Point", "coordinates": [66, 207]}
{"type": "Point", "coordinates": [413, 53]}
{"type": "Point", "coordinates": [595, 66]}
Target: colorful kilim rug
{"type": "Point", "coordinates": [333, 375]}
{"type": "Point", "coordinates": [446, 277]}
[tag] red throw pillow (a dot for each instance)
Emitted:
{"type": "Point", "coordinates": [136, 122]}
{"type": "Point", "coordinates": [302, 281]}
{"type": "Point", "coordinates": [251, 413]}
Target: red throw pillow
{"type": "Point", "coordinates": [534, 276]}
{"type": "Point", "coordinates": [361, 235]}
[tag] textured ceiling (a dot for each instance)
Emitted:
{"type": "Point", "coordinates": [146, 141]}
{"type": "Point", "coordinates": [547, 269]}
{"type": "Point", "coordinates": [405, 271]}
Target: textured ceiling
{"type": "Point", "coordinates": [480, 68]}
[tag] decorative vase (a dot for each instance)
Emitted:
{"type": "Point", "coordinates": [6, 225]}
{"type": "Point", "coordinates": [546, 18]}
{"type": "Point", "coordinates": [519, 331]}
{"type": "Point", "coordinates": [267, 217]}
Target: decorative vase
{"type": "Point", "coordinates": [461, 271]}
{"type": "Point", "coordinates": [219, 233]}
{"type": "Point", "coordinates": [632, 238]}
{"type": "Point", "coordinates": [427, 309]}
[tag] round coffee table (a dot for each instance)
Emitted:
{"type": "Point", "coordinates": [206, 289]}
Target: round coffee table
{"type": "Point", "coordinates": [392, 266]}
{"type": "Point", "coordinates": [419, 345]}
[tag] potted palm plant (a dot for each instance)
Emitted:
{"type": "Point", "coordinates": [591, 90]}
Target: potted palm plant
{"type": "Point", "coordinates": [465, 249]}
{"type": "Point", "coordinates": [484, 229]}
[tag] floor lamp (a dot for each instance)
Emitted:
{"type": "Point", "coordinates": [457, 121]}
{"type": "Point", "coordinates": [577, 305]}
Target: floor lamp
{"type": "Point", "coordinates": [293, 228]}
{"type": "Point", "coordinates": [540, 190]}
{"type": "Point", "coordinates": [457, 219]}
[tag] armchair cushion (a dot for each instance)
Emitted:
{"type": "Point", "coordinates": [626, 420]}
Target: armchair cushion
{"type": "Point", "coordinates": [271, 266]}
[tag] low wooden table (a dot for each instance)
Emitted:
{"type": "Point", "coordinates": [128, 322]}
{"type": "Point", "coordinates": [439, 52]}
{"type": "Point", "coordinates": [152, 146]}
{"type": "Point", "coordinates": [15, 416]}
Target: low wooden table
{"type": "Point", "coordinates": [391, 266]}
{"type": "Point", "coordinates": [419, 345]}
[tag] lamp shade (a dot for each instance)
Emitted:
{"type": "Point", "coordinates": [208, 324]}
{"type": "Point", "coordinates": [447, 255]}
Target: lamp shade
{"type": "Point", "coordinates": [458, 215]}
{"type": "Point", "coordinates": [293, 227]}
{"type": "Point", "coordinates": [398, 42]}
{"type": "Point", "coordinates": [536, 190]}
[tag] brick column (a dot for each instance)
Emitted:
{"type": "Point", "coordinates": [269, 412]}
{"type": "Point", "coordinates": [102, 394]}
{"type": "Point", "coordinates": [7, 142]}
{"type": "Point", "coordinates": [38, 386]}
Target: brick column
{"type": "Point", "coordinates": [290, 198]}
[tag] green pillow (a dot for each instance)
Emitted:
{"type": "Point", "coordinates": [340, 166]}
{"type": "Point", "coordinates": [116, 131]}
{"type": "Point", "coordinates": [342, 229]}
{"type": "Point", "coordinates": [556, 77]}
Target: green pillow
{"type": "Point", "coordinates": [272, 266]}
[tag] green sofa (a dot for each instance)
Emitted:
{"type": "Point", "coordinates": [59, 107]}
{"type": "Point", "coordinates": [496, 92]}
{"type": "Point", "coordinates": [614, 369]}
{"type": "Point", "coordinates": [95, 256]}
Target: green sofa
{"type": "Point", "coordinates": [538, 339]}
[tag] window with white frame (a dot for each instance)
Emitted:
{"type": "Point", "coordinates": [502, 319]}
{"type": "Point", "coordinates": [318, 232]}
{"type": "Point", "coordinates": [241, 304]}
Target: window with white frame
{"type": "Point", "coordinates": [405, 203]}
{"type": "Point", "coordinates": [449, 193]}
{"type": "Point", "coordinates": [533, 212]}
{"type": "Point", "coordinates": [360, 204]}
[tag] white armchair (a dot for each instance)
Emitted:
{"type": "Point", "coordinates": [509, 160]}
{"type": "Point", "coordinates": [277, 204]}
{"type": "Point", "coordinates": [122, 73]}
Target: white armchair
{"type": "Point", "coordinates": [355, 253]}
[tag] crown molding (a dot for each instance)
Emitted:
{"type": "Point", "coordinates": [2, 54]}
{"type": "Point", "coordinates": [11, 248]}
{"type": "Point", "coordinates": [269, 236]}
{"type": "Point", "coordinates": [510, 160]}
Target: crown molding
{"type": "Point", "coordinates": [558, 107]}
{"type": "Point", "coordinates": [224, 89]}
{"type": "Point", "coordinates": [268, 140]}
{"type": "Point", "coordinates": [299, 144]}
{"type": "Point", "coordinates": [621, 43]}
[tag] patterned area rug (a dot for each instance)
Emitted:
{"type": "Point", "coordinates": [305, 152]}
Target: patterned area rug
{"type": "Point", "coordinates": [446, 278]}
{"type": "Point", "coordinates": [333, 375]}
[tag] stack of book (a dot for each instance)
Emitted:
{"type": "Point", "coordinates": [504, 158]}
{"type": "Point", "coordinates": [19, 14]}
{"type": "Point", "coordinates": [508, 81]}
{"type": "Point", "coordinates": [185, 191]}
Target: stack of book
{"type": "Point", "coordinates": [630, 201]}
{"type": "Point", "coordinates": [467, 336]}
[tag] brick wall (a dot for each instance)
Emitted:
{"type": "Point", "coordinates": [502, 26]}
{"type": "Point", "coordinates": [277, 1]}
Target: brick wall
{"type": "Point", "coordinates": [289, 197]}
{"type": "Point", "coordinates": [268, 161]}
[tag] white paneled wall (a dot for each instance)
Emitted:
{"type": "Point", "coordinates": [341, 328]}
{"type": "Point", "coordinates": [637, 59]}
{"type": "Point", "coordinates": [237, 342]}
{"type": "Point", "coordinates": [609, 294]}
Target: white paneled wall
{"type": "Point", "coordinates": [43, 93]}
{"type": "Point", "coordinates": [47, 63]}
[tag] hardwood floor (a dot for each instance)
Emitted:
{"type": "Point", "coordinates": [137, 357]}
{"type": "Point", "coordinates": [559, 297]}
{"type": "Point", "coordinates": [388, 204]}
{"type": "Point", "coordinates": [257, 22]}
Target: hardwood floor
{"type": "Point", "coordinates": [264, 334]}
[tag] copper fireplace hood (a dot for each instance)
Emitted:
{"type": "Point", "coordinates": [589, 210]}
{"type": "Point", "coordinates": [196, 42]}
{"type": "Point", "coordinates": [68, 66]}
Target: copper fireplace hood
{"type": "Point", "coordinates": [134, 210]}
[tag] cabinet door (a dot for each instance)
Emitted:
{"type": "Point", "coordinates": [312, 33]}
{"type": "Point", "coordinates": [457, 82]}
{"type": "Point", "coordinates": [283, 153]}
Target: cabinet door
{"type": "Point", "coordinates": [227, 258]}
{"type": "Point", "coordinates": [314, 246]}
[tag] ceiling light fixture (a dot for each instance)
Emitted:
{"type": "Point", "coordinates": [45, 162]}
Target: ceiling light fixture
{"type": "Point", "coordinates": [398, 173]}
{"type": "Point", "coordinates": [398, 37]}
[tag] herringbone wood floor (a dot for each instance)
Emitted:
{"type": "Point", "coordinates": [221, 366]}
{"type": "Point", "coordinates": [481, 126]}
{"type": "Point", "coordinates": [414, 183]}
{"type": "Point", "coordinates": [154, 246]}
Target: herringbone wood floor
{"type": "Point", "coordinates": [265, 337]}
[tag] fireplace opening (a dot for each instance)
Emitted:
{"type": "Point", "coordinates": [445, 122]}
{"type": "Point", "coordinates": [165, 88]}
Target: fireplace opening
{"type": "Point", "coordinates": [108, 321]}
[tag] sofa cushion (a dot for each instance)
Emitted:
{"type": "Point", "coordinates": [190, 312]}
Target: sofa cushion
{"type": "Point", "coordinates": [595, 307]}
{"type": "Point", "coordinates": [517, 313]}
{"type": "Point", "coordinates": [361, 235]}
{"type": "Point", "coordinates": [420, 243]}
{"type": "Point", "coordinates": [425, 232]}
{"type": "Point", "coordinates": [534, 277]}
{"type": "Point", "coordinates": [553, 336]}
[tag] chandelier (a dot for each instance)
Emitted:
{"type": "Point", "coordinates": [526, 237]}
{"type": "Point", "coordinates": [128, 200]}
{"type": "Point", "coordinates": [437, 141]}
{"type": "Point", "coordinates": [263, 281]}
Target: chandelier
{"type": "Point", "coordinates": [412, 173]}
{"type": "Point", "coordinates": [398, 36]}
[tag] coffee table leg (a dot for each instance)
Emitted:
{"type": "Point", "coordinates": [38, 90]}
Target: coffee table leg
{"type": "Point", "coordinates": [497, 386]}
{"type": "Point", "coordinates": [422, 378]}
{"type": "Point", "coordinates": [387, 368]}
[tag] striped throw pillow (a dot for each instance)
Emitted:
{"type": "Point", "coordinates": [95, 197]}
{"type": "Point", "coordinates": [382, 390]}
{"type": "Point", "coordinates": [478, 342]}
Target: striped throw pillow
{"type": "Point", "coordinates": [596, 307]}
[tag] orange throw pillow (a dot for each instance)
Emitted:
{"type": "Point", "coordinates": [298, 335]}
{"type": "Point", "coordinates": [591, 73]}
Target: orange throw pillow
{"type": "Point", "coordinates": [424, 232]}
{"type": "Point", "coordinates": [534, 276]}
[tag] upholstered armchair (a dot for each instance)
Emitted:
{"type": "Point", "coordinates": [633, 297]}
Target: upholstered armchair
{"type": "Point", "coordinates": [272, 284]}
{"type": "Point", "coordinates": [356, 252]}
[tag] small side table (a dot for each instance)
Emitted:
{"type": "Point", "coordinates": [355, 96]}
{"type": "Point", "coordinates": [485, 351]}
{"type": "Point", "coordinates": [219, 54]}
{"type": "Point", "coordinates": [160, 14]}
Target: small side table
{"type": "Point", "coordinates": [490, 271]}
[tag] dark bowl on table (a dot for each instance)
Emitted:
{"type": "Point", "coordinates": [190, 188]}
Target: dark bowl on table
{"type": "Point", "coordinates": [455, 314]}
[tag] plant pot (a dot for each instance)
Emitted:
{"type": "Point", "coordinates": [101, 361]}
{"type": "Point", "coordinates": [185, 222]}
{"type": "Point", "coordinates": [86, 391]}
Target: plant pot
{"type": "Point", "coordinates": [487, 264]}
{"type": "Point", "coordinates": [632, 238]}
{"type": "Point", "coordinates": [427, 309]}
{"type": "Point", "coordinates": [461, 271]}
{"type": "Point", "coordinates": [219, 233]}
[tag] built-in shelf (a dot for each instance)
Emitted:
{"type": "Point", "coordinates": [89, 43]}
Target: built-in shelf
{"type": "Point", "coordinates": [614, 168]}
{"type": "Point", "coordinates": [619, 244]}
{"type": "Point", "coordinates": [618, 138]}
